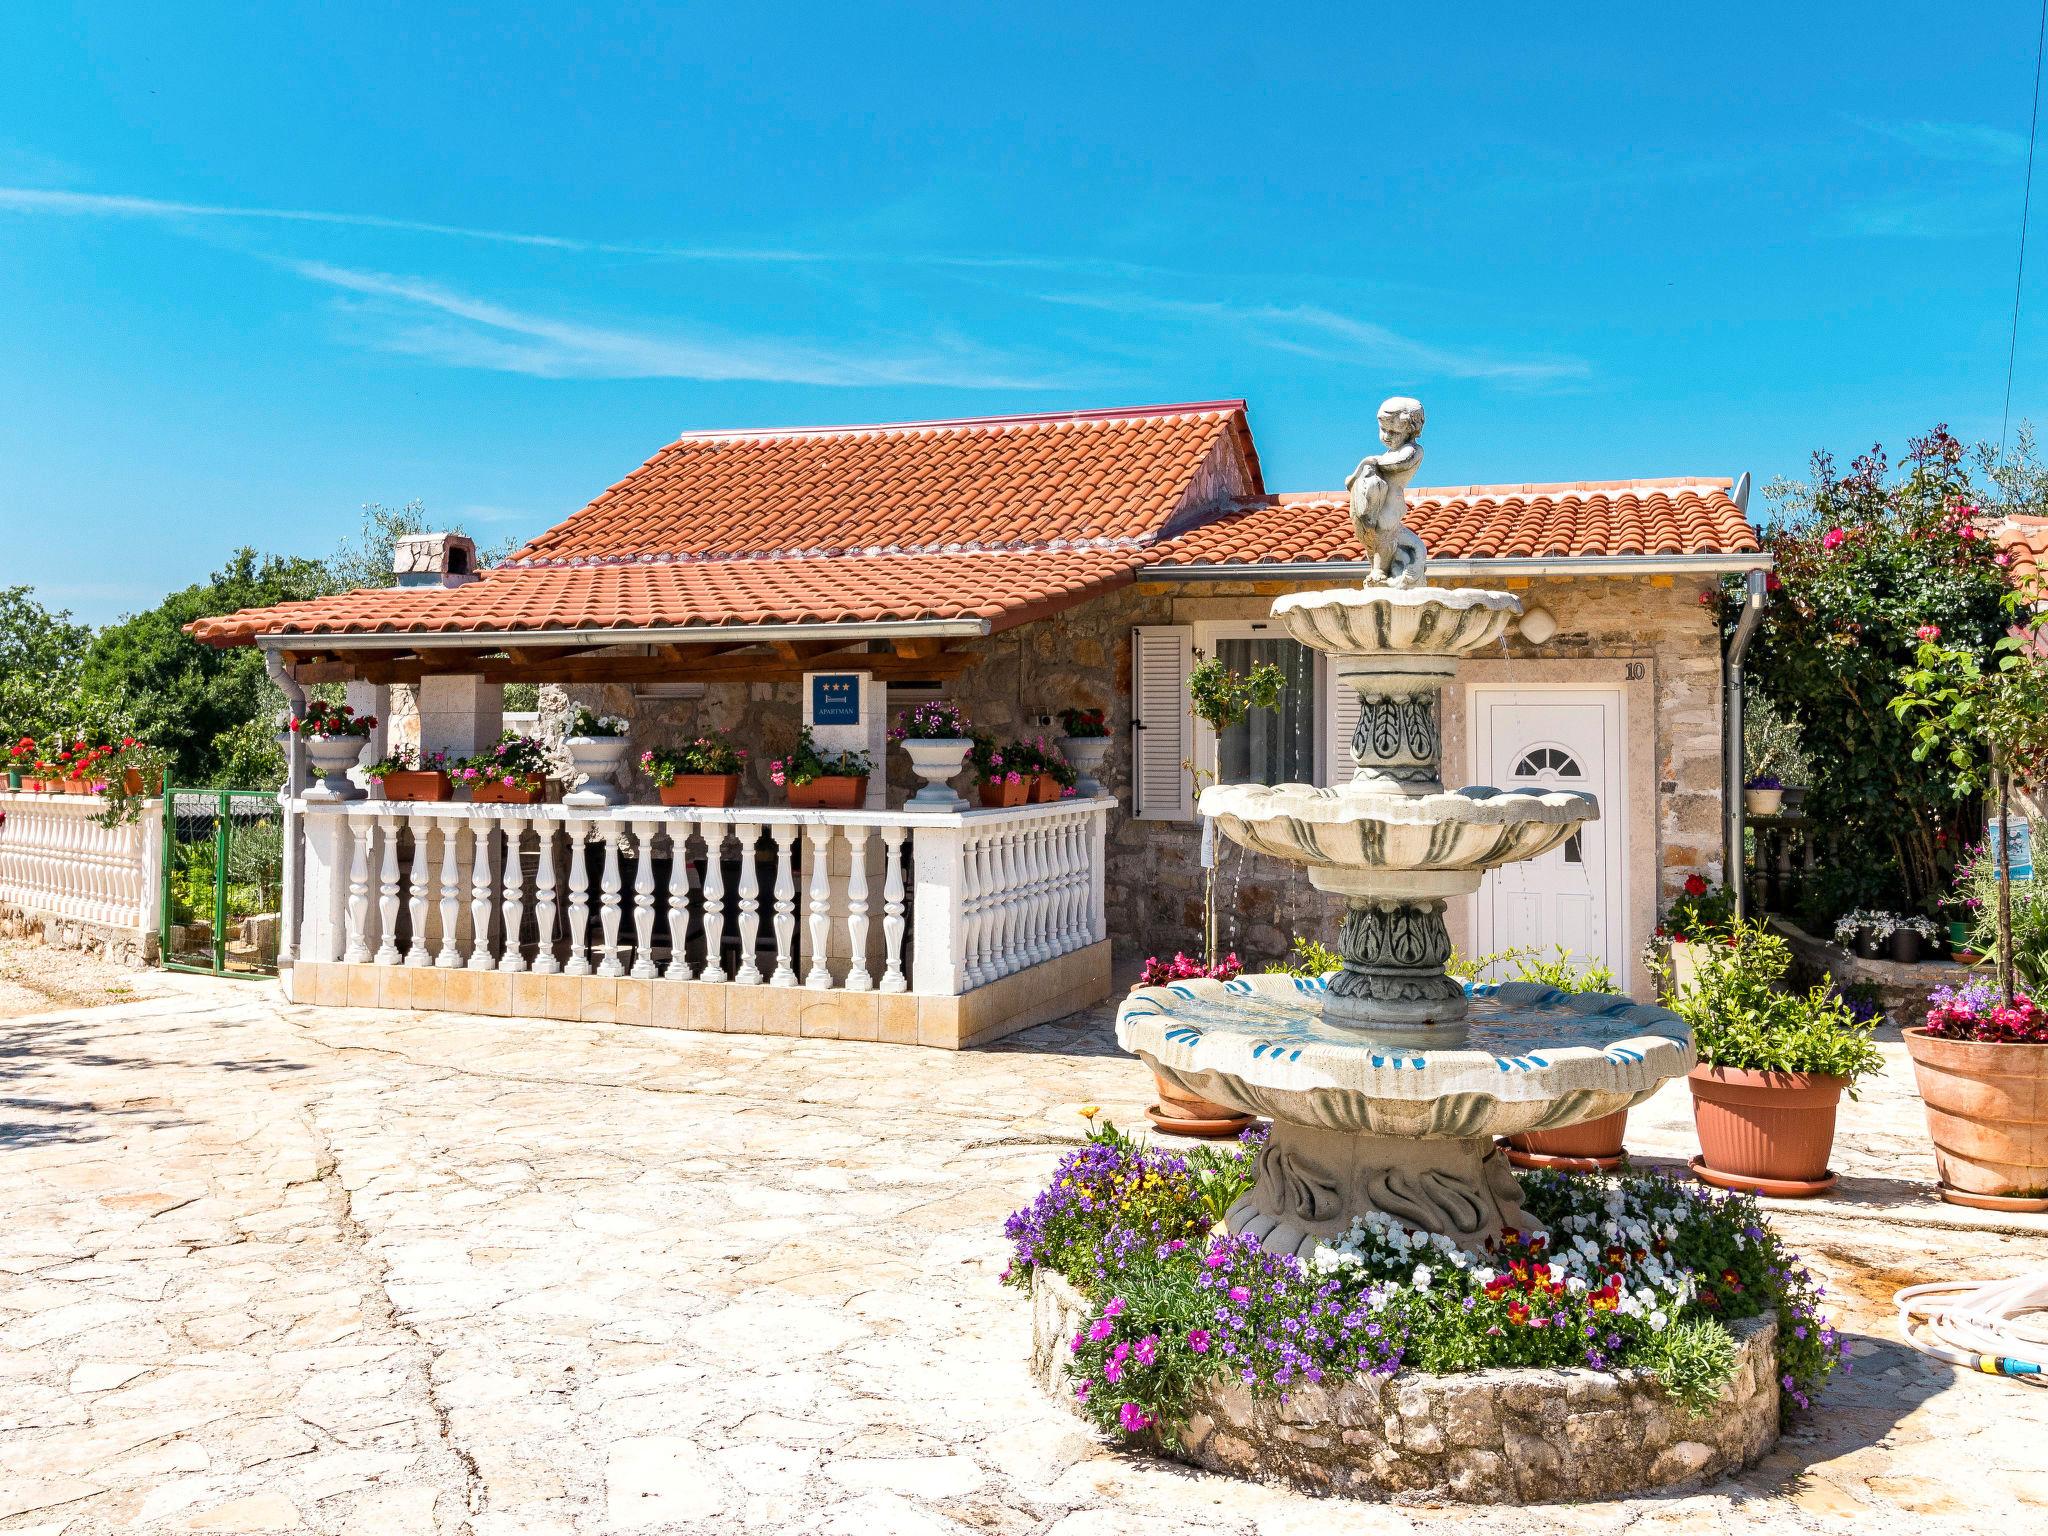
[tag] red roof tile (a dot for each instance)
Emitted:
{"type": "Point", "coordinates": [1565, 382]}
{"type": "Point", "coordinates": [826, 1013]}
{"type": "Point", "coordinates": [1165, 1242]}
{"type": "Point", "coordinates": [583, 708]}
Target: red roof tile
{"type": "Point", "coordinates": [1482, 522]}
{"type": "Point", "coordinates": [2025, 542]}
{"type": "Point", "coordinates": [1004, 588]}
{"type": "Point", "coordinates": [1074, 478]}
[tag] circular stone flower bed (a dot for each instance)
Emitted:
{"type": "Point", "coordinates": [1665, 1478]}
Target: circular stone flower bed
{"type": "Point", "coordinates": [1648, 1339]}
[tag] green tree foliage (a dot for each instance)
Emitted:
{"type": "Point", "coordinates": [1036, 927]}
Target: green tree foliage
{"type": "Point", "coordinates": [1865, 560]}
{"type": "Point", "coordinates": [42, 652]}
{"type": "Point", "coordinates": [184, 696]}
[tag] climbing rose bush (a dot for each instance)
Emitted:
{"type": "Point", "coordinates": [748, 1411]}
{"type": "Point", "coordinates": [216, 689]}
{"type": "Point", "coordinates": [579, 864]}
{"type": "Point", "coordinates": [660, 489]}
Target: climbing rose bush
{"type": "Point", "coordinates": [1632, 1271]}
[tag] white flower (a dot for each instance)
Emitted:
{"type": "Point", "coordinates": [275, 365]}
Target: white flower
{"type": "Point", "coordinates": [1659, 1318]}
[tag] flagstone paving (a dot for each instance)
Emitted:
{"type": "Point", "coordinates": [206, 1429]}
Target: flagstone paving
{"type": "Point", "coordinates": [270, 1268]}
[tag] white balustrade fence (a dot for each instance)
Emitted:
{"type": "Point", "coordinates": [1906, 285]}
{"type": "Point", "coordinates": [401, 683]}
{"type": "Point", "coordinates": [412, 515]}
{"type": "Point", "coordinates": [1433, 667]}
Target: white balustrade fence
{"type": "Point", "coordinates": [57, 862]}
{"type": "Point", "coordinates": [747, 896]}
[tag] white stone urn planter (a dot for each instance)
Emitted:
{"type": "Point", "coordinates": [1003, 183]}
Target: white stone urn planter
{"type": "Point", "coordinates": [1763, 802]}
{"type": "Point", "coordinates": [1086, 753]}
{"type": "Point", "coordinates": [936, 760]}
{"type": "Point", "coordinates": [331, 758]}
{"type": "Point", "coordinates": [597, 760]}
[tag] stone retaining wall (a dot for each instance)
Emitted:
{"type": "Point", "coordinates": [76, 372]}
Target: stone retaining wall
{"type": "Point", "coordinates": [1491, 1437]}
{"type": "Point", "coordinates": [1901, 989]}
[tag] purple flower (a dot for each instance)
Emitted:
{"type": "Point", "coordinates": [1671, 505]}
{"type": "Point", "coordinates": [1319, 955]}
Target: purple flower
{"type": "Point", "coordinates": [1101, 1328]}
{"type": "Point", "coordinates": [1240, 1295]}
{"type": "Point", "coordinates": [1081, 1392]}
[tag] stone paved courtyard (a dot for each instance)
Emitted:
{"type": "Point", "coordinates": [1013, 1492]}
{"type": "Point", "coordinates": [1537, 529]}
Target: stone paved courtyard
{"type": "Point", "coordinates": [284, 1269]}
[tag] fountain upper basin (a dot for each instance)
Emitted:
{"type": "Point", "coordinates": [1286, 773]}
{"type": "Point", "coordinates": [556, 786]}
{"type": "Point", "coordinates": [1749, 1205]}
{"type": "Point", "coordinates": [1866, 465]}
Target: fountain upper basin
{"type": "Point", "coordinates": [1401, 622]}
{"type": "Point", "coordinates": [1353, 838]}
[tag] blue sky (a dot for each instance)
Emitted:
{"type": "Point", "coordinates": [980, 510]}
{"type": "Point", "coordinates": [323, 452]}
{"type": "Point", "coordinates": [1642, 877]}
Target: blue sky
{"type": "Point", "coordinates": [259, 265]}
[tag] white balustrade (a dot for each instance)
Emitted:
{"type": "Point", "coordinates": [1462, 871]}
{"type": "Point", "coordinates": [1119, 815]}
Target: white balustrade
{"type": "Point", "coordinates": [966, 898]}
{"type": "Point", "coordinates": [56, 862]}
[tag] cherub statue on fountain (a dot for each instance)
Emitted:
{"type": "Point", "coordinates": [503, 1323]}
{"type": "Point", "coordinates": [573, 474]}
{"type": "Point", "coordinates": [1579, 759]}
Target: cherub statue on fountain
{"type": "Point", "coordinates": [1379, 503]}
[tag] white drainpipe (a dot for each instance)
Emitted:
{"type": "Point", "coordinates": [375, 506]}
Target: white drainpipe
{"type": "Point", "coordinates": [1731, 746]}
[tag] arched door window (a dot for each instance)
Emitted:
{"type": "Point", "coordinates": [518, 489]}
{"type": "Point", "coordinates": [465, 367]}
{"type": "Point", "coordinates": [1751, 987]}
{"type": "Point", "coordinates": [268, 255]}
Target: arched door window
{"type": "Point", "coordinates": [1548, 762]}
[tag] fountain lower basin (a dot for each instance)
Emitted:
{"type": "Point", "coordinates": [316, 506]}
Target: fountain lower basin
{"type": "Point", "coordinates": [1364, 1123]}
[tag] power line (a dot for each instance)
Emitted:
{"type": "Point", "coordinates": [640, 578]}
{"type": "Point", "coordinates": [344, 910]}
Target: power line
{"type": "Point", "coordinates": [2012, 351]}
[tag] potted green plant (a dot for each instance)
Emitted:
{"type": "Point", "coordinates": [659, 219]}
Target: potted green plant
{"type": "Point", "coordinates": [1981, 1066]}
{"type": "Point", "coordinates": [515, 771]}
{"type": "Point", "coordinates": [335, 736]}
{"type": "Point", "coordinates": [1701, 913]}
{"type": "Point", "coordinates": [1086, 746]}
{"type": "Point", "coordinates": [999, 772]}
{"type": "Point", "coordinates": [821, 781]}
{"type": "Point", "coordinates": [937, 739]}
{"type": "Point", "coordinates": [404, 774]}
{"type": "Point", "coordinates": [1773, 1065]}
{"type": "Point", "coordinates": [703, 771]}
{"type": "Point", "coordinates": [596, 745]}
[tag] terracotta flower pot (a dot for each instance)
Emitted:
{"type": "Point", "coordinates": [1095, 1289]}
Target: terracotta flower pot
{"type": "Point", "coordinates": [77, 787]}
{"type": "Point", "coordinates": [715, 789]}
{"type": "Point", "coordinates": [1591, 1146]}
{"type": "Point", "coordinates": [1987, 1113]}
{"type": "Point", "coordinates": [418, 784]}
{"type": "Point", "coordinates": [497, 792]}
{"type": "Point", "coordinates": [1185, 1114]}
{"type": "Point", "coordinates": [833, 792]}
{"type": "Point", "coordinates": [1044, 789]}
{"type": "Point", "coordinates": [998, 793]}
{"type": "Point", "coordinates": [1765, 1132]}
{"type": "Point", "coordinates": [132, 782]}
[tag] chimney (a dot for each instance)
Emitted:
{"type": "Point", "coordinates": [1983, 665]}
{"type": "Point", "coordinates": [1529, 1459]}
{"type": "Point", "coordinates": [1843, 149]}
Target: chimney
{"type": "Point", "coordinates": [434, 559]}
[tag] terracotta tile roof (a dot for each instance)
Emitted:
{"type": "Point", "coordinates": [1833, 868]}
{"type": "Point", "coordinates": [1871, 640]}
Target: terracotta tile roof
{"type": "Point", "coordinates": [1072, 478]}
{"type": "Point", "coordinates": [1485, 522]}
{"type": "Point", "coordinates": [1005, 588]}
{"type": "Point", "coordinates": [2025, 541]}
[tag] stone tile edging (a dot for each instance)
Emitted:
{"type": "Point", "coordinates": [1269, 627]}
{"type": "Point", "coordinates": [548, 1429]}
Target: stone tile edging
{"type": "Point", "coordinates": [1491, 1437]}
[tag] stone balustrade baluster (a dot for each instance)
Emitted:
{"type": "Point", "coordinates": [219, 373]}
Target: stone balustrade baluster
{"type": "Point", "coordinates": [610, 830]}
{"type": "Point", "coordinates": [858, 978]}
{"type": "Point", "coordinates": [387, 890]}
{"type": "Point", "coordinates": [892, 910]}
{"type": "Point", "coordinates": [417, 956]}
{"type": "Point", "coordinates": [974, 906]}
{"type": "Point", "coordinates": [819, 976]}
{"type": "Point", "coordinates": [513, 910]}
{"type": "Point", "coordinates": [749, 971]}
{"type": "Point", "coordinates": [449, 955]}
{"type": "Point", "coordinates": [357, 949]}
{"type": "Point", "coordinates": [579, 898]}
{"type": "Point", "coordinates": [544, 961]}
{"type": "Point", "coordinates": [643, 900]}
{"type": "Point", "coordinates": [482, 836]}
{"type": "Point", "coordinates": [678, 968]}
{"type": "Point", "coordinates": [784, 834]}
{"type": "Point", "coordinates": [713, 903]}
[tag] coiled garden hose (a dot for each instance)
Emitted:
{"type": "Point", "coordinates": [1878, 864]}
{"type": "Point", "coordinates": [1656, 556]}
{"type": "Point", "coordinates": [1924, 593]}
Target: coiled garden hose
{"type": "Point", "coordinates": [1999, 1327]}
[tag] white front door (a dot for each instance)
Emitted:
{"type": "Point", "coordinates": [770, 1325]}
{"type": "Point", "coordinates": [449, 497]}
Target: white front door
{"type": "Point", "coordinates": [1569, 898]}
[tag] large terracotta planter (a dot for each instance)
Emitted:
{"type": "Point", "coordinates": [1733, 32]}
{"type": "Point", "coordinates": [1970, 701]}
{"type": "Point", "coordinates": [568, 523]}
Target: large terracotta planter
{"type": "Point", "coordinates": [999, 793]}
{"type": "Point", "coordinates": [1769, 1133]}
{"type": "Point", "coordinates": [1591, 1146]}
{"type": "Point", "coordinates": [1987, 1112]}
{"type": "Point", "coordinates": [833, 792]}
{"type": "Point", "coordinates": [417, 784]}
{"type": "Point", "coordinates": [1184, 1114]}
{"type": "Point", "coordinates": [708, 789]}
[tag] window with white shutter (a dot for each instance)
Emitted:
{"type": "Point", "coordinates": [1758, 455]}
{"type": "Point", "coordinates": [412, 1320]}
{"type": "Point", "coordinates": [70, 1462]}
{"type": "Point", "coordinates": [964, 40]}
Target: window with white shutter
{"type": "Point", "coordinates": [1340, 720]}
{"type": "Point", "coordinates": [1162, 725]}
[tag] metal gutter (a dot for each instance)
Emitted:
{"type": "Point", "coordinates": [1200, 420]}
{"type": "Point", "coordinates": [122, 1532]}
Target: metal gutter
{"type": "Point", "coordinates": [1544, 565]}
{"type": "Point", "coordinates": [1731, 744]}
{"type": "Point", "coordinates": [701, 634]}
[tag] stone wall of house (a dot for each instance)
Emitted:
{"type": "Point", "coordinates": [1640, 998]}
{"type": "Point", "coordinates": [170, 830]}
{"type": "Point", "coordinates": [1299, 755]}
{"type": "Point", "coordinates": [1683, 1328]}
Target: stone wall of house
{"type": "Point", "coordinates": [1154, 880]}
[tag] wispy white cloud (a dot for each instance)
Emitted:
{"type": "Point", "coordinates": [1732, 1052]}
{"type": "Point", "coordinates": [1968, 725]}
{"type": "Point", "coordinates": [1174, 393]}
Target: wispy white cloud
{"type": "Point", "coordinates": [1975, 143]}
{"type": "Point", "coordinates": [1310, 330]}
{"type": "Point", "coordinates": [429, 320]}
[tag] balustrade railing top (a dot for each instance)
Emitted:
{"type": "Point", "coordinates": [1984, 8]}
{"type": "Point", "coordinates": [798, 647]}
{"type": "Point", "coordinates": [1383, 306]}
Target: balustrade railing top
{"type": "Point", "coordinates": [57, 861]}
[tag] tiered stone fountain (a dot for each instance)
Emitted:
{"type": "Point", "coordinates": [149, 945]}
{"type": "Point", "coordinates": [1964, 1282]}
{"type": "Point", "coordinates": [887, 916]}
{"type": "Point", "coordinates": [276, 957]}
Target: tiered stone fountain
{"type": "Point", "coordinates": [1388, 1080]}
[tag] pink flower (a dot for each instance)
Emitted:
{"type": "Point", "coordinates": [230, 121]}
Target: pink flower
{"type": "Point", "coordinates": [1133, 1418]}
{"type": "Point", "coordinates": [1929, 633]}
{"type": "Point", "coordinates": [1115, 1307]}
{"type": "Point", "coordinates": [1148, 1349]}
{"type": "Point", "coordinates": [1240, 1295]}
{"type": "Point", "coordinates": [1112, 1371]}
{"type": "Point", "coordinates": [1832, 539]}
{"type": "Point", "coordinates": [1081, 1392]}
{"type": "Point", "coordinates": [1198, 1340]}
{"type": "Point", "coordinates": [1101, 1329]}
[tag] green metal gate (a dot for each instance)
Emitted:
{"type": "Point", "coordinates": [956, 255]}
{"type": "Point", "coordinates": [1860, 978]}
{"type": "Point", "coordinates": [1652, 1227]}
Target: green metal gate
{"type": "Point", "coordinates": [223, 881]}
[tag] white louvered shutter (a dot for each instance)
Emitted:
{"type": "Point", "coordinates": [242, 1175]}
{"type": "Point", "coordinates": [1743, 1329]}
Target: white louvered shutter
{"type": "Point", "coordinates": [1162, 726]}
{"type": "Point", "coordinates": [1340, 719]}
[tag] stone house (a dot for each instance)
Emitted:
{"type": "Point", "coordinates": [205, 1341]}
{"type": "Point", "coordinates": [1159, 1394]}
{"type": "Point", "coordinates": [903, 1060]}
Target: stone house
{"type": "Point", "coordinates": [1021, 564]}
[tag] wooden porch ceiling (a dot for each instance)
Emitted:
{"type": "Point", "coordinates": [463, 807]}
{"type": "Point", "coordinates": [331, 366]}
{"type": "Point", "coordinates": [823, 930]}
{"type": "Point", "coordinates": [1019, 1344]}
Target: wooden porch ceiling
{"type": "Point", "coordinates": [715, 661]}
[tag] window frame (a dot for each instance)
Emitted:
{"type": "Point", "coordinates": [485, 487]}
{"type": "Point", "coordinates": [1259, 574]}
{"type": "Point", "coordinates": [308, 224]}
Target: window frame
{"type": "Point", "coordinates": [1207, 633]}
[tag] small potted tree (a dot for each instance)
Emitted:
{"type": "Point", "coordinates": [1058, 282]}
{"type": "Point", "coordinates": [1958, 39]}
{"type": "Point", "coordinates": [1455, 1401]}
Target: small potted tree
{"type": "Point", "coordinates": [999, 773]}
{"type": "Point", "coordinates": [596, 745]}
{"type": "Point", "coordinates": [821, 781]}
{"type": "Point", "coordinates": [704, 771]}
{"type": "Point", "coordinates": [1085, 745]}
{"type": "Point", "coordinates": [1773, 1066]}
{"type": "Point", "coordinates": [406, 774]}
{"type": "Point", "coordinates": [335, 736]}
{"type": "Point", "coordinates": [937, 739]}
